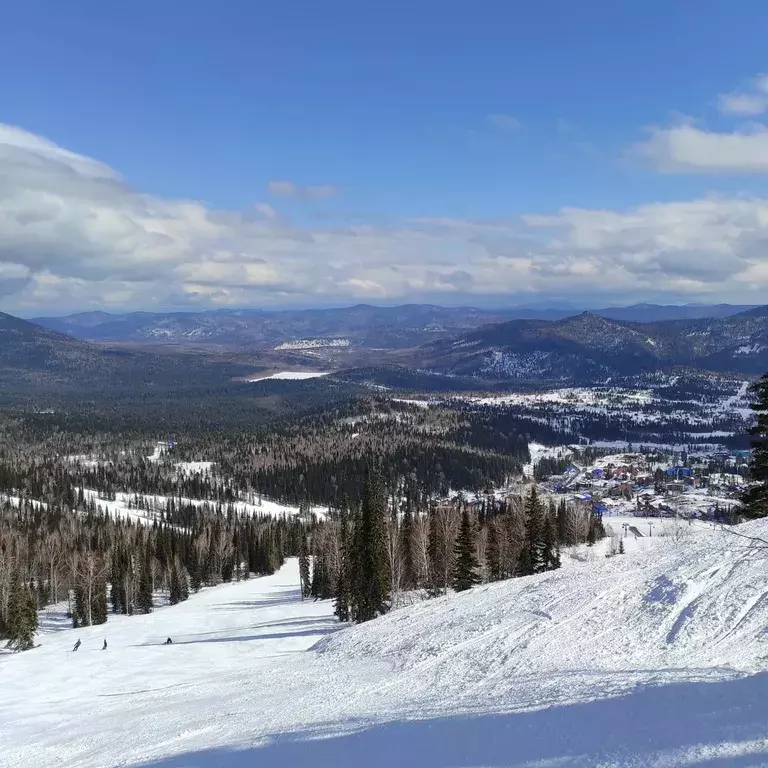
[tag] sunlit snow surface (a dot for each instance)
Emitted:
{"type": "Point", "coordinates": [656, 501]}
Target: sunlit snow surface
{"type": "Point", "coordinates": [291, 375]}
{"type": "Point", "coordinates": [653, 658]}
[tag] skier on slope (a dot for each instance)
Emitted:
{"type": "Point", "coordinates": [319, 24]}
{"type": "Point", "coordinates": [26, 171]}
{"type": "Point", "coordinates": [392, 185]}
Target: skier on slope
{"type": "Point", "coordinates": [169, 641]}
{"type": "Point", "coordinates": [77, 645]}
{"type": "Point", "coordinates": [104, 647]}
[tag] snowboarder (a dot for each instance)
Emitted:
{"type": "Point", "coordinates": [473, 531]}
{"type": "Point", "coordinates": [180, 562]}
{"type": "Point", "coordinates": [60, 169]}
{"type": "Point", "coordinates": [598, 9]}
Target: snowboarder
{"type": "Point", "coordinates": [168, 641]}
{"type": "Point", "coordinates": [104, 647]}
{"type": "Point", "coordinates": [77, 645]}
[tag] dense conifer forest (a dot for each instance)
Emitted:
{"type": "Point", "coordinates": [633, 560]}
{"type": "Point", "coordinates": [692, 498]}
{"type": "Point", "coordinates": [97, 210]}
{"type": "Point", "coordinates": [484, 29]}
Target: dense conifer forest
{"type": "Point", "coordinates": [116, 518]}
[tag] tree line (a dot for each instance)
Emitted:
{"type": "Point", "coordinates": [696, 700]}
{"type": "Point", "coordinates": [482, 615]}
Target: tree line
{"type": "Point", "coordinates": [374, 555]}
{"type": "Point", "coordinates": [98, 563]}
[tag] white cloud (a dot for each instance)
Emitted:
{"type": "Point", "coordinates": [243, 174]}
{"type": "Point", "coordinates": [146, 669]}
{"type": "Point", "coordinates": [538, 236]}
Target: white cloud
{"type": "Point", "coordinates": [289, 189]}
{"type": "Point", "coordinates": [75, 236]}
{"type": "Point", "coordinates": [265, 210]}
{"type": "Point", "coordinates": [742, 103]}
{"type": "Point", "coordinates": [688, 149]}
{"type": "Point", "coordinates": [752, 101]}
{"type": "Point", "coordinates": [503, 122]}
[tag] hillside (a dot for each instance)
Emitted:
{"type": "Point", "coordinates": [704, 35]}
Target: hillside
{"type": "Point", "coordinates": [588, 347]}
{"type": "Point", "coordinates": [651, 313]}
{"type": "Point", "coordinates": [32, 356]}
{"type": "Point", "coordinates": [35, 359]}
{"type": "Point", "coordinates": [654, 658]}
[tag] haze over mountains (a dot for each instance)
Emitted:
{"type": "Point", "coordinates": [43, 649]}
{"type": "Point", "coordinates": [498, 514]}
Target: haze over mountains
{"type": "Point", "coordinates": [362, 325]}
{"type": "Point", "coordinates": [414, 340]}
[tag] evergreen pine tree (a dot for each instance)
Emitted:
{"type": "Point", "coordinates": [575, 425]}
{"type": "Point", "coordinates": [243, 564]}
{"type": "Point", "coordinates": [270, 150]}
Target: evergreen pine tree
{"type": "Point", "coordinates": [435, 554]}
{"type": "Point", "coordinates": [465, 569]}
{"type": "Point", "coordinates": [80, 613]}
{"type": "Point", "coordinates": [756, 497]}
{"type": "Point", "coordinates": [371, 588]}
{"type": "Point", "coordinates": [551, 551]}
{"type": "Point", "coordinates": [318, 585]}
{"type": "Point", "coordinates": [493, 552]}
{"type": "Point", "coordinates": [341, 608]}
{"type": "Point", "coordinates": [144, 590]}
{"type": "Point", "coordinates": [195, 577]}
{"type": "Point", "coordinates": [562, 522]}
{"type": "Point", "coordinates": [99, 603]}
{"type": "Point", "coordinates": [21, 620]}
{"type": "Point", "coordinates": [304, 574]}
{"type": "Point", "coordinates": [532, 560]}
{"type": "Point", "coordinates": [178, 583]}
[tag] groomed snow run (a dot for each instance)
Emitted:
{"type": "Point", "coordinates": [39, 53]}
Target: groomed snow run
{"type": "Point", "coordinates": [653, 658]}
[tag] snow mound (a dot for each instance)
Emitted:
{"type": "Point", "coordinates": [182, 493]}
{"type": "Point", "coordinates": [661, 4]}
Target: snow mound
{"type": "Point", "coordinates": [701, 602]}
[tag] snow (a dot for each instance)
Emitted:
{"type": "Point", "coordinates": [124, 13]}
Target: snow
{"type": "Point", "coordinates": [641, 531]}
{"type": "Point", "coordinates": [538, 452]}
{"type": "Point", "coordinates": [291, 375]}
{"type": "Point", "coordinates": [194, 467]}
{"type": "Point", "coordinates": [312, 344]}
{"type": "Point", "coordinates": [84, 460]}
{"type": "Point", "coordinates": [161, 448]}
{"type": "Point", "coordinates": [652, 658]}
{"type": "Point", "coordinates": [570, 396]}
{"type": "Point", "coordinates": [418, 403]}
{"type": "Point", "coordinates": [120, 505]}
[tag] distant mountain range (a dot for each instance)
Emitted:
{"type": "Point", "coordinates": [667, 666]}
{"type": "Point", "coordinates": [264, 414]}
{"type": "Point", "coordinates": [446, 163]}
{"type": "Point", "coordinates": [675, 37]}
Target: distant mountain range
{"type": "Point", "coordinates": [590, 347]}
{"type": "Point", "coordinates": [362, 325]}
{"type": "Point", "coordinates": [416, 344]}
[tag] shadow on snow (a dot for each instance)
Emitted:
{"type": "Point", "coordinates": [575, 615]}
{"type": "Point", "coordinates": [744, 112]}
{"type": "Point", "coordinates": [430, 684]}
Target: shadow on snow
{"type": "Point", "coordinates": [630, 730]}
{"type": "Point", "coordinates": [298, 627]}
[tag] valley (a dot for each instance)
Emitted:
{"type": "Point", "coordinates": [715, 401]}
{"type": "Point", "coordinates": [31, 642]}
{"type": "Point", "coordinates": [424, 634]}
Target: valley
{"type": "Point", "coordinates": [560, 547]}
{"type": "Point", "coordinates": [383, 385]}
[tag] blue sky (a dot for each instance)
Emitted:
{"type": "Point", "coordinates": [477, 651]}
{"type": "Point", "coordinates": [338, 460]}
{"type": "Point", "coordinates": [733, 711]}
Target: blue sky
{"type": "Point", "coordinates": [349, 125]}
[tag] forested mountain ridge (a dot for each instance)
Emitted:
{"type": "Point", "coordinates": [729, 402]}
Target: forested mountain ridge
{"type": "Point", "coordinates": [591, 347]}
{"type": "Point", "coordinates": [362, 325]}
{"type": "Point", "coordinates": [33, 358]}
{"type": "Point", "coordinates": [585, 349]}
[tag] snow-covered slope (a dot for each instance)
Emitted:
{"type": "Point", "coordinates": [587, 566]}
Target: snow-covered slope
{"type": "Point", "coordinates": [653, 658]}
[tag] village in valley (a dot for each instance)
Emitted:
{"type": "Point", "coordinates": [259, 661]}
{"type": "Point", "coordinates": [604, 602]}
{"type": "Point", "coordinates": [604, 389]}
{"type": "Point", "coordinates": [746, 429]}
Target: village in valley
{"type": "Point", "coordinates": [644, 493]}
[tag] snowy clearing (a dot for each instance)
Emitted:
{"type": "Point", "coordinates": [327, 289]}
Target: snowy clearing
{"type": "Point", "coordinates": [312, 344]}
{"type": "Point", "coordinates": [653, 658]}
{"type": "Point", "coordinates": [124, 504]}
{"type": "Point", "coordinates": [291, 375]}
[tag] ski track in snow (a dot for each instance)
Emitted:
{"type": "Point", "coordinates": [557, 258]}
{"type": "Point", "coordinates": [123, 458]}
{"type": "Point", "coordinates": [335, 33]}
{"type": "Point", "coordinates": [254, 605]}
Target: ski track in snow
{"type": "Point", "coordinates": [653, 658]}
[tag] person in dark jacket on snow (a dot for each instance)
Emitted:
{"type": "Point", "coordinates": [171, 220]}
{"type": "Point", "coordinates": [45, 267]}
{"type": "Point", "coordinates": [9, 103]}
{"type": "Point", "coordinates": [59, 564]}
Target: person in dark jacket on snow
{"type": "Point", "coordinates": [104, 647]}
{"type": "Point", "coordinates": [77, 645]}
{"type": "Point", "coordinates": [169, 641]}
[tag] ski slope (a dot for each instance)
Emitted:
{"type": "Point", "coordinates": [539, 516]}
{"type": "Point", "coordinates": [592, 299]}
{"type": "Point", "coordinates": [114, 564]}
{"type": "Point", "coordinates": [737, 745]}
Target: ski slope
{"type": "Point", "coordinates": [653, 658]}
{"type": "Point", "coordinates": [123, 505]}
